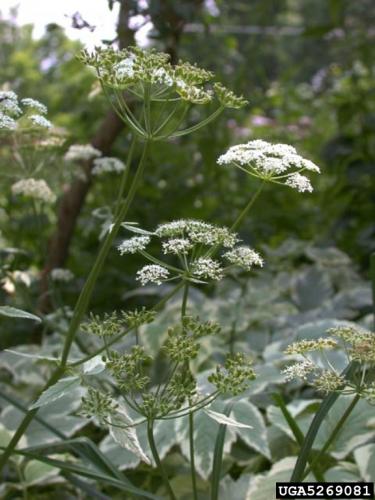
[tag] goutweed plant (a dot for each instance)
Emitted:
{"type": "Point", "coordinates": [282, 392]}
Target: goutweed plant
{"type": "Point", "coordinates": [159, 102]}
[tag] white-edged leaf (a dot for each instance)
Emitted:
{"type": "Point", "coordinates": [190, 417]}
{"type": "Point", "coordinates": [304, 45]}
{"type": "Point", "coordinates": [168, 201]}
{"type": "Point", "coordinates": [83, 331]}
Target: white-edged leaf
{"type": "Point", "coordinates": [135, 229]}
{"type": "Point", "coordinates": [93, 366]}
{"type": "Point", "coordinates": [13, 312]}
{"type": "Point", "coordinates": [36, 472]}
{"type": "Point", "coordinates": [256, 437]}
{"type": "Point", "coordinates": [56, 391]}
{"type": "Point", "coordinates": [32, 356]}
{"type": "Point", "coordinates": [123, 432]}
{"type": "Point", "coordinates": [365, 459]}
{"type": "Point", "coordinates": [205, 433]}
{"type": "Point", "coordinates": [223, 419]}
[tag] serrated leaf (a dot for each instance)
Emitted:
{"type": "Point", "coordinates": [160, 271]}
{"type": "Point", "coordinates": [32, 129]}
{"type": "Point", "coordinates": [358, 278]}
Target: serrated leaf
{"type": "Point", "coordinates": [256, 438]}
{"type": "Point", "coordinates": [126, 435]}
{"type": "Point", "coordinates": [223, 419]}
{"type": "Point", "coordinates": [56, 391]}
{"type": "Point", "coordinates": [13, 312]}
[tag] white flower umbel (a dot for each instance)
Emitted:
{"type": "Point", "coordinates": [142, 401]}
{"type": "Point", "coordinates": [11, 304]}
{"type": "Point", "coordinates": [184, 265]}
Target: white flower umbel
{"type": "Point", "coordinates": [81, 152]}
{"type": "Point", "coordinates": [278, 163]}
{"type": "Point", "coordinates": [28, 102]}
{"type": "Point", "coordinates": [107, 164]}
{"type": "Point", "coordinates": [177, 246]}
{"type": "Point", "coordinates": [40, 121]}
{"type": "Point", "coordinates": [7, 123]}
{"type": "Point", "coordinates": [62, 275]}
{"type": "Point", "coordinates": [207, 268]}
{"type": "Point", "coordinates": [152, 273]}
{"type": "Point", "coordinates": [134, 245]}
{"type": "Point", "coordinates": [33, 188]}
{"type": "Point", "coordinates": [244, 257]}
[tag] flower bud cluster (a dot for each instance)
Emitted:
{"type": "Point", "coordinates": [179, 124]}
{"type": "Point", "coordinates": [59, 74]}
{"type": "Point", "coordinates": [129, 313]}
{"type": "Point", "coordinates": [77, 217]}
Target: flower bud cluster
{"type": "Point", "coordinates": [359, 346]}
{"type": "Point", "coordinates": [98, 404]}
{"type": "Point", "coordinates": [235, 376]}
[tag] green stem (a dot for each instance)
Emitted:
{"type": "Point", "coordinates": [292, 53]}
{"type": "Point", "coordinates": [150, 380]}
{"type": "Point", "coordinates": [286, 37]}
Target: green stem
{"type": "Point", "coordinates": [245, 211]}
{"type": "Point", "coordinates": [81, 305]}
{"type": "Point", "coordinates": [155, 454]}
{"type": "Point", "coordinates": [125, 175]}
{"type": "Point", "coordinates": [184, 300]}
{"type": "Point", "coordinates": [334, 433]}
{"type": "Point", "coordinates": [192, 456]}
{"type": "Point", "coordinates": [298, 434]}
{"type": "Point", "coordinates": [218, 455]}
{"type": "Point", "coordinates": [318, 419]}
{"type": "Point", "coordinates": [372, 278]}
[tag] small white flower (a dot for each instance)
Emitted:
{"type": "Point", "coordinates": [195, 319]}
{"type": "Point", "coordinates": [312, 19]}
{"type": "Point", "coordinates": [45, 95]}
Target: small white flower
{"type": "Point", "coordinates": [125, 68]}
{"type": "Point", "coordinates": [62, 275]}
{"type": "Point", "coordinates": [40, 121]}
{"type": "Point", "coordinates": [177, 246]}
{"type": "Point", "coordinates": [34, 104]}
{"type": "Point", "coordinates": [33, 188]}
{"type": "Point", "coordinates": [152, 274]}
{"type": "Point", "coordinates": [244, 257]}
{"type": "Point", "coordinates": [161, 76]}
{"type": "Point", "coordinates": [134, 245]}
{"type": "Point", "coordinates": [299, 370]}
{"type": "Point", "coordinates": [81, 152]}
{"type": "Point", "coordinates": [299, 182]}
{"type": "Point", "coordinates": [106, 165]}
{"type": "Point", "coordinates": [7, 123]}
{"type": "Point", "coordinates": [170, 229]}
{"type": "Point", "coordinates": [207, 268]}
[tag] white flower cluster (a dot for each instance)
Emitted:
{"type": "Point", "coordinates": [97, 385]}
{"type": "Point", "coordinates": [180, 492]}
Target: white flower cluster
{"type": "Point", "coordinates": [28, 102]}
{"type": "Point", "coordinates": [10, 111]}
{"type": "Point", "coordinates": [34, 188]}
{"type": "Point", "coordinates": [152, 273]}
{"type": "Point", "coordinates": [177, 246]}
{"type": "Point", "coordinates": [207, 268]}
{"type": "Point", "coordinates": [198, 232]}
{"type": "Point", "coordinates": [299, 370]}
{"type": "Point", "coordinates": [134, 245]}
{"type": "Point", "coordinates": [7, 122]}
{"type": "Point", "coordinates": [244, 257]}
{"type": "Point", "coordinates": [40, 121]}
{"type": "Point", "coordinates": [61, 275]}
{"type": "Point", "coordinates": [279, 163]}
{"type": "Point", "coordinates": [107, 164]}
{"type": "Point", "coordinates": [81, 152]}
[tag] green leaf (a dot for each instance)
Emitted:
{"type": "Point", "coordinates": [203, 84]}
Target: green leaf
{"type": "Point", "coordinates": [205, 434]}
{"type": "Point", "coordinates": [225, 420]}
{"type": "Point", "coordinates": [126, 435]}
{"type": "Point", "coordinates": [57, 391]}
{"type": "Point", "coordinates": [256, 437]}
{"type": "Point", "coordinates": [13, 312]}
{"type": "Point", "coordinates": [365, 459]}
{"type": "Point", "coordinates": [36, 472]}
